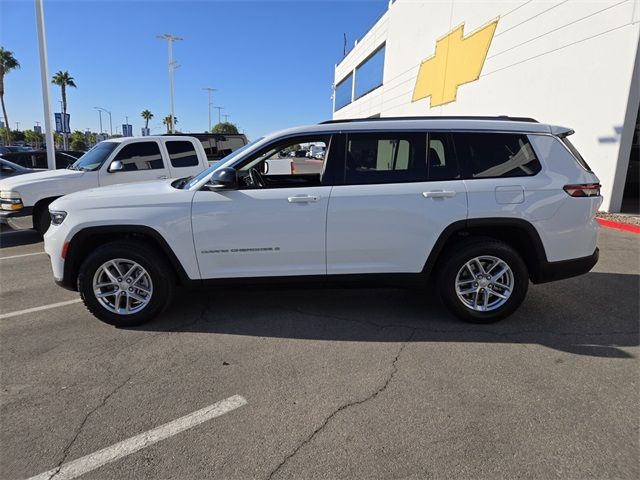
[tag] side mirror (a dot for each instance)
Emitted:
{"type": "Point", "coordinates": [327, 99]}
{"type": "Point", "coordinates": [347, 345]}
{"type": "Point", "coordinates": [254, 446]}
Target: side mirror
{"type": "Point", "coordinates": [226, 178]}
{"type": "Point", "coordinates": [116, 166]}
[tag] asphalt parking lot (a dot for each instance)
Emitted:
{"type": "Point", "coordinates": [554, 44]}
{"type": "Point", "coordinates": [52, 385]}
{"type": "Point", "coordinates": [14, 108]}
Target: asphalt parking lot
{"type": "Point", "coordinates": [321, 383]}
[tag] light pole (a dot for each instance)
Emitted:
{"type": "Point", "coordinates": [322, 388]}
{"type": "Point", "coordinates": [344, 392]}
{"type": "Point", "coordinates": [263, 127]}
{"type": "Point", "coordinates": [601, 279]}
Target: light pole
{"type": "Point", "coordinates": [210, 91]}
{"type": "Point", "coordinates": [44, 77]}
{"type": "Point", "coordinates": [100, 115]}
{"type": "Point", "coordinates": [170, 39]}
{"type": "Point", "coordinates": [100, 109]}
{"type": "Point", "coordinates": [219, 109]}
{"type": "Point", "coordinates": [226, 118]}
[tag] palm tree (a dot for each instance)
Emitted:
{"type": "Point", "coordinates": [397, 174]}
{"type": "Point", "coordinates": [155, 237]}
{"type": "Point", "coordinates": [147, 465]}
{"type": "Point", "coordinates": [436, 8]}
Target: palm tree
{"type": "Point", "coordinates": [167, 122]}
{"type": "Point", "coordinates": [63, 80]}
{"type": "Point", "coordinates": [7, 63]}
{"type": "Point", "coordinates": [147, 115]}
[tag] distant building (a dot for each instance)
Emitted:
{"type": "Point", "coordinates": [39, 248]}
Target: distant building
{"type": "Point", "coordinates": [568, 63]}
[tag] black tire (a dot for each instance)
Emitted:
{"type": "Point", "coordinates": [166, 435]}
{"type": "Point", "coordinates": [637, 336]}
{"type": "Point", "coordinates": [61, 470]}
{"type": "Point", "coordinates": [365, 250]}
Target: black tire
{"type": "Point", "coordinates": [42, 220]}
{"type": "Point", "coordinates": [462, 253]}
{"type": "Point", "coordinates": [148, 258]}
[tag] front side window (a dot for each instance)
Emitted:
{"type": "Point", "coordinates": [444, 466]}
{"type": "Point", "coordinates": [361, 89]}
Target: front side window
{"type": "Point", "coordinates": [182, 154]}
{"type": "Point", "coordinates": [441, 160]}
{"type": "Point", "coordinates": [386, 158]}
{"type": "Point", "coordinates": [94, 158]}
{"type": "Point", "coordinates": [343, 93]}
{"type": "Point", "coordinates": [493, 155]}
{"type": "Point", "coordinates": [140, 156]}
{"type": "Point", "coordinates": [369, 73]}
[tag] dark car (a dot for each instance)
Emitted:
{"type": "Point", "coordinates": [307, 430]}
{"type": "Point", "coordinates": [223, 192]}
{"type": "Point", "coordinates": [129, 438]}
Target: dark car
{"type": "Point", "coordinates": [38, 159]}
{"type": "Point", "coordinates": [9, 169]}
{"type": "Point", "coordinates": [218, 145]}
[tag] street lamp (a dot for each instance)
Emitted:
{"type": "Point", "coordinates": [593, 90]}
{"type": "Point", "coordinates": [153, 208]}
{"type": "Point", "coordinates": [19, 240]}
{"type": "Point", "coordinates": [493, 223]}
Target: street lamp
{"type": "Point", "coordinates": [210, 90]}
{"type": "Point", "coordinates": [170, 39]}
{"type": "Point", "coordinates": [100, 109]}
{"type": "Point", "coordinates": [219, 108]}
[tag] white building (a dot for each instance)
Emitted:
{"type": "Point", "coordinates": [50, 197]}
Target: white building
{"type": "Point", "coordinates": [573, 63]}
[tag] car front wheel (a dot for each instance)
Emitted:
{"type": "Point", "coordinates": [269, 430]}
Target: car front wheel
{"type": "Point", "coordinates": [483, 280]}
{"type": "Point", "coordinates": [125, 283]}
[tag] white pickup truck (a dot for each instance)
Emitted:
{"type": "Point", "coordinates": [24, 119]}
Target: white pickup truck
{"type": "Point", "coordinates": [26, 198]}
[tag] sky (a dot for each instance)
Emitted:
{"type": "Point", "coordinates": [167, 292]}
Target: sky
{"type": "Point", "coordinates": [272, 62]}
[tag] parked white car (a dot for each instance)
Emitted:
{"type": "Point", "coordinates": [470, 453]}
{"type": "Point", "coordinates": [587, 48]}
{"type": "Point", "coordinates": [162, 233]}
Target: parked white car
{"type": "Point", "coordinates": [483, 206]}
{"type": "Point", "coordinates": [24, 200]}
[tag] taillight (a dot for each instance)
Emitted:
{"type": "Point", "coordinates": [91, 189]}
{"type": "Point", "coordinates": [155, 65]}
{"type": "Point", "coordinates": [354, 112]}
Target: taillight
{"type": "Point", "coordinates": [583, 190]}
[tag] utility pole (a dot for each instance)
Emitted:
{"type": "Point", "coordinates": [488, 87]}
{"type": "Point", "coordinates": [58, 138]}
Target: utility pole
{"type": "Point", "coordinates": [170, 39]}
{"type": "Point", "coordinates": [226, 117]}
{"type": "Point", "coordinates": [210, 91]}
{"type": "Point", "coordinates": [18, 126]}
{"type": "Point", "coordinates": [100, 115]}
{"type": "Point", "coordinates": [44, 76]}
{"type": "Point", "coordinates": [219, 108]}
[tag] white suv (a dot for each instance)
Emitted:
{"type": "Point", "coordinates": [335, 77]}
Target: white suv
{"type": "Point", "coordinates": [484, 205]}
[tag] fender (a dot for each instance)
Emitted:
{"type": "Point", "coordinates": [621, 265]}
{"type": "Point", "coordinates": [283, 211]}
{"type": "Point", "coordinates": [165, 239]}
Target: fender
{"type": "Point", "coordinates": [81, 244]}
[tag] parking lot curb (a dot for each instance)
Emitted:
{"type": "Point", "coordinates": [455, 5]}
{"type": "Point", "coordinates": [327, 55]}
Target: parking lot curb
{"type": "Point", "coordinates": [619, 226]}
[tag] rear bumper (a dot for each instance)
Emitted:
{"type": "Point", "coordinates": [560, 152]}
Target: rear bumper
{"type": "Point", "coordinates": [551, 271]}
{"type": "Point", "coordinates": [18, 220]}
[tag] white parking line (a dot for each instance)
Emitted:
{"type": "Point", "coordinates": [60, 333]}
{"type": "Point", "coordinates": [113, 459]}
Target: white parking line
{"type": "Point", "coordinates": [38, 309]}
{"type": "Point", "coordinates": [22, 255]}
{"type": "Point", "coordinates": [121, 449]}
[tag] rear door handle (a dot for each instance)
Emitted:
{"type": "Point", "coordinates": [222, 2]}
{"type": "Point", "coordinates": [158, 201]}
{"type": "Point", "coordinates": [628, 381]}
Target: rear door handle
{"type": "Point", "coordinates": [439, 194]}
{"type": "Point", "coordinates": [163, 177]}
{"type": "Point", "coordinates": [303, 199]}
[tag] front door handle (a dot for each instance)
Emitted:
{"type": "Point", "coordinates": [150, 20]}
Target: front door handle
{"type": "Point", "coordinates": [303, 199]}
{"type": "Point", "coordinates": [162, 177]}
{"type": "Point", "coordinates": [439, 194]}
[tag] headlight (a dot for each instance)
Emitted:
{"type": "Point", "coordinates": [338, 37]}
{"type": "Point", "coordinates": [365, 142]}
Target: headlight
{"type": "Point", "coordinates": [57, 217]}
{"type": "Point", "coordinates": [10, 201]}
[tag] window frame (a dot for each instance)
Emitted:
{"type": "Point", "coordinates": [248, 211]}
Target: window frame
{"type": "Point", "coordinates": [114, 156]}
{"type": "Point", "coordinates": [382, 46]}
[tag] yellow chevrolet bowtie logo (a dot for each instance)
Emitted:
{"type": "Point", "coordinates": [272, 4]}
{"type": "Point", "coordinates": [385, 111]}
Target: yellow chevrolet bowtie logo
{"type": "Point", "coordinates": [457, 61]}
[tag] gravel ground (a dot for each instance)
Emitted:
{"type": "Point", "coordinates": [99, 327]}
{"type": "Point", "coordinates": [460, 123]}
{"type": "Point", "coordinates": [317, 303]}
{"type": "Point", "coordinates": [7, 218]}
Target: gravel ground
{"type": "Point", "coordinates": [620, 217]}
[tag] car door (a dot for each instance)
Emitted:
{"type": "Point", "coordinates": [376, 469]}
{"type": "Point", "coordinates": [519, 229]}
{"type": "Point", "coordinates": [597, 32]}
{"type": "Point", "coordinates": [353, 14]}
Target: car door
{"type": "Point", "coordinates": [401, 190]}
{"type": "Point", "coordinates": [276, 230]}
{"type": "Point", "coordinates": [141, 161]}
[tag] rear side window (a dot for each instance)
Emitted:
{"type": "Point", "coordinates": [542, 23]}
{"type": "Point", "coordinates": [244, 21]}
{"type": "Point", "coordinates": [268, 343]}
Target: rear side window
{"type": "Point", "coordinates": [385, 158]}
{"type": "Point", "coordinates": [182, 154]}
{"type": "Point", "coordinates": [583, 163]}
{"type": "Point", "coordinates": [494, 155]}
{"type": "Point", "coordinates": [140, 156]}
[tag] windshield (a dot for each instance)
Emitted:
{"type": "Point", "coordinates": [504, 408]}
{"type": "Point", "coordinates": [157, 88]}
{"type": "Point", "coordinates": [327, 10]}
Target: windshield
{"type": "Point", "coordinates": [94, 158]}
{"type": "Point", "coordinates": [219, 163]}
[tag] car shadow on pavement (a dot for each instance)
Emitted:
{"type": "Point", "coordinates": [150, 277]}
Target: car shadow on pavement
{"type": "Point", "coordinates": [595, 314]}
{"type": "Point", "coordinates": [16, 238]}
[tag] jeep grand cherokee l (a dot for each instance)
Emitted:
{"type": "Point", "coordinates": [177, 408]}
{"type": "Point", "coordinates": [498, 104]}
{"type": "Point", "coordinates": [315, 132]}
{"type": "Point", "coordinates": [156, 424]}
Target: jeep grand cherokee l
{"type": "Point", "coordinates": [482, 205]}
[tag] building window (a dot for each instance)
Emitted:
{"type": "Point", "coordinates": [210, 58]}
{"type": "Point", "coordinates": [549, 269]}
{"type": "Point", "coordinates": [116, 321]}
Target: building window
{"type": "Point", "coordinates": [369, 73]}
{"type": "Point", "coordinates": [343, 93]}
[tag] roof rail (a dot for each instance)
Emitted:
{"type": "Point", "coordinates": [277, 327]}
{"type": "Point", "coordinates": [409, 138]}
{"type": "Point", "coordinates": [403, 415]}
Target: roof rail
{"type": "Point", "coordinates": [377, 119]}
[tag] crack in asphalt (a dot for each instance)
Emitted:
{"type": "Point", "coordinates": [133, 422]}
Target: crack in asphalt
{"type": "Point", "coordinates": [103, 402]}
{"type": "Point", "coordinates": [105, 399]}
{"type": "Point", "coordinates": [378, 391]}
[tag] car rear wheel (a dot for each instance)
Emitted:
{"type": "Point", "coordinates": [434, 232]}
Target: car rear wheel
{"type": "Point", "coordinates": [483, 280]}
{"type": "Point", "coordinates": [125, 283]}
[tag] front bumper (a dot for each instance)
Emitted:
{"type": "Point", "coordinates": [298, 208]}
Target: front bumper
{"type": "Point", "coordinates": [18, 219]}
{"type": "Point", "coordinates": [551, 271]}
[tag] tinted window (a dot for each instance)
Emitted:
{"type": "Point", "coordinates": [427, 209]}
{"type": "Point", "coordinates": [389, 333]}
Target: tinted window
{"type": "Point", "coordinates": [369, 73]}
{"type": "Point", "coordinates": [140, 156]}
{"type": "Point", "coordinates": [490, 155]}
{"type": "Point", "coordinates": [182, 154]}
{"type": "Point", "coordinates": [385, 158]}
{"type": "Point", "coordinates": [441, 160]}
{"type": "Point", "coordinates": [343, 93]}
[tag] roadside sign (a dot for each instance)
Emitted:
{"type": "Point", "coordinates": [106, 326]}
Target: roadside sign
{"type": "Point", "coordinates": [127, 130]}
{"type": "Point", "coordinates": [145, 131]}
